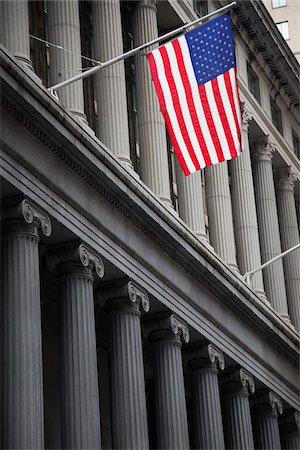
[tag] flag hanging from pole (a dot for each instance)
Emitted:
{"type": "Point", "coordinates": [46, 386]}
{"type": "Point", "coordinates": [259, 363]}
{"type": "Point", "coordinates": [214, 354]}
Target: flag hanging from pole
{"type": "Point", "coordinates": [195, 80]}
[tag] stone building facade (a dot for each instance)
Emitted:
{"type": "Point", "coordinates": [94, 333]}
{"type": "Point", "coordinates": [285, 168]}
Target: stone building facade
{"type": "Point", "coordinates": [125, 319]}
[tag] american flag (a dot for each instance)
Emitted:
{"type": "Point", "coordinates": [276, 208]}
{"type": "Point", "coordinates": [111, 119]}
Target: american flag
{"type": "Point", "coordinates": [195, 80]}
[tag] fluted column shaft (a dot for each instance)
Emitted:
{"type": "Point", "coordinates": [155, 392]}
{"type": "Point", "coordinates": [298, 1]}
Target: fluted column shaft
{"type": "Point", "coordinates": [190, 201]}
{"type": "Point", "coordinates": [129, 413]}
{"type": "Point", "coordinates": [22, 399]}
{"type": "Point", "coordinates": [220, 213]}
{"type": "Point", "coordinates": [110, 83]}
{"type": "Point", "coordinates": [244, 213]}
{"type": "Point", "coordinates": [170, 402]}
{"type": "Point", "coordinates": [152, 132]}
{"type": "Point", "coordinates": [265, 410]}
{"type": "Point", "coordinates": [207, 427]}
{"type": "Point", "coordinates": [23, 422]}
{"type": "Point", "coordinates": [236, 413]}
{"type": "Point", "coordinates": [80, 403]}
{"type": "Point", "coordinates": [64, 30]}
{"type": "Point", "coordinates": [289, 427]}
{"type": "Point", "coordinates": [289, 234]}
{"type": "Point", "coordinates": [14, 29]}
{"type": "Point", "coordinates": [268, 226]}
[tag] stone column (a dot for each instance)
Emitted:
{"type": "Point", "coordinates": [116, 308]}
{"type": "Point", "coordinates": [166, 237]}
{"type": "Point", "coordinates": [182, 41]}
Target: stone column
{"type": "Point", "coordinates": [190, 202]}
{"type": "Point", "coordinates": [207, 427]}
{"type": "Point", "coordinates": [64, 30]}
{"type": "Point", "coordinates": [110, 83]}
{"type": "Point", "coordinates": [268, 225]}
{"type": "Point", "coordinates": [265, 409]}
{"type": "Point", "coordinates": [23, 415]}
{"type": "Point", "coordinates": [152, 131]}
{"type": "Point", "coordinates": [80, 397]}
{"type": "Point", "coordinates": [236, 410]}
{"type": "Point", "coordinates": [289, 234]}
{"type": "Point", "coordinates": [128, 397]}
{"type": "Point", "coordinates": [14, 29]}
{"type": "Point", "coordinates": [289, 426]}
{"type": "Point", "coordinates": [170, 402]}
{"type": "Point", "coordinates": [220, 213]}
{"type": "Point", "coordinates": [244, 211]}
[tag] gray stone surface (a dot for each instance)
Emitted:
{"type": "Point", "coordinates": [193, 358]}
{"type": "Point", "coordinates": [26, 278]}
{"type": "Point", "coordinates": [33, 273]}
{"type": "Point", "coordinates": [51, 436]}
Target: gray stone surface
{"type": "Point", "coordinates": [289, 234]}
{"type": "Point", "coordinates": [220, 213]}
{"type": "Point", "coordinates": [268, 225]}
{"type": "Point", "coordinates": [152, 132]}
{"type": "Point", "coordinates": [244, 211]}
{"type": "Point", "coordinates": [80, 396]}
{"type": "Point", "coordinates": [265, 410]}
{"type": "Point", "coordinates": [23, 415]}
{"type": "Point", "coordinates": [170, 402]}
{"type": "Point", "coordinates": [64, 30]}
{"type": "Point", "coordinates": [110, 82]}
{"type": "Point", "coordinates": [190, 201]}
{"type": "Point", "coordinates": [236, 410]}
{"type": "Point", "coordinates": [207, 423]}
{"type": "Point", "coordinates": [14, 29]}
{"type": "Point", "coordinates": [128, 398]}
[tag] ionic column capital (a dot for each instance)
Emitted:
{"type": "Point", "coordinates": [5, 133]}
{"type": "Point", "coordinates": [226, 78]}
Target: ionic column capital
{"type": "Point", "coordinates": [263, 149]}
{"type": "Point", "coordinates": [290, 420]}
{"type": "Point", "coordinates": [148, 4]}
{"type": "Point", "coordinates": [267, 403]}
{"type": "Point", "coordinates": [209, 356]}
{"type": "Point", "coordinates": [123, 295]}
{"type": "Point", "coordinates": [247, 116]}
{"type": "Point", "coordinates": [75, 256]}
{"type": "Point", "coordinates": [238, 380]}
{"type": "Point", "coordinates": [17, 211]}
{"type": "Point", "coordinates": [168, 327]}
{"type": "Point", "coordinates": [285, 178]}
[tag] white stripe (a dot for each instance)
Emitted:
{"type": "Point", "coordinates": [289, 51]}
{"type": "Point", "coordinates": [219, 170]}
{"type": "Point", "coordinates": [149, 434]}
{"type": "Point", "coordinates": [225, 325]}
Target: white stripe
{"type": "Point", "coordinates": [228, 110]}
{"type": "Point", "coordinates": [197, 100]}
{"type": "Point", "coordinates": [170, 109]}
{"type": "Point", "coordinates": [217, 120]}
{"type": "Point", "coordinates": [236, 99]}
{"type": "Point", "coordinates": [186, 113]}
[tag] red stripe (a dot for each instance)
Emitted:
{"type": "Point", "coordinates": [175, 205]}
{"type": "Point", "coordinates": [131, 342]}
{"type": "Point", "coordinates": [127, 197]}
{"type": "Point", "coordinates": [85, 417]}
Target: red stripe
{"type": "Point", "coordinates": [231, 99]}
{"type": "Point", "coordinates": [177, 108]}
{"type": "Point", "coordinates": [163, 108]}
{"type": "Point", "coordinates": [210, 123]}
{"type": "Point", "coordinates": [223, 117]}
{"type": "Point", "coordinates": [190, 101]}
{"type": "Point", "coordinates": [239, 99]}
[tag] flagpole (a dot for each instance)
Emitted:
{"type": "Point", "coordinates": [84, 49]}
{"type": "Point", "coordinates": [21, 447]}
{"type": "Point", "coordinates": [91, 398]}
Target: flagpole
{"type": "Point", "coordinates": [248, 275]}
{"type": "Point", "coordinates": [137, 49]}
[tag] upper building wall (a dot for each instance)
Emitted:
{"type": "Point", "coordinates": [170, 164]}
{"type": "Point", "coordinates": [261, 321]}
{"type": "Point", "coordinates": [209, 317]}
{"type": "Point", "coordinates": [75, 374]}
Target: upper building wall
{"type": "Point", "coordinates": [287, 11]}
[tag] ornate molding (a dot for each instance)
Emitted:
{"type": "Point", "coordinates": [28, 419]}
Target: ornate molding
{"type": "Point", "coordinates": [179, 327]}
{"type": "Point", "coordinates": [263, 149]}
{"type": "Point", "coordinates": [285, 179]}
{"type": "Point", "coordinates": [166, 326]}
{"type": "Point", "coordinates": [237, 380]}
{"type": "Point", "coordinates": [247, 380]}
{"type": "Point", "coordinates": [138, 294]}
{"type": "Point", "coordinates": [275, 402]}
{"type": "Point", "coordinates": [90, 258]}
{"type": "Point", "coordinates": [247, 116]}
{"type": "Point", "coordinates": [30, 212]}
{"type": "Point", "coordinates": [74, 253]}
{"type": "Point", "coordinates": [215, 355]}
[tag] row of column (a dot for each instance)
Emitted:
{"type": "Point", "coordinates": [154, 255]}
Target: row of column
{"type": "Point", "coordinates": [218, 421]}
{"type": "Point", "coordinates": [246, 228]}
